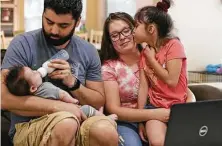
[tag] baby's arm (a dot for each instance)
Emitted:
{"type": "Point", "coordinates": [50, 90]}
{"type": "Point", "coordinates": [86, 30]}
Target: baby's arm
{"type": "Point", "coordinates": [143, 90]}
{"type": "Point", "coordinates": [66, 97]}
{"type": "Point", "coordinates": [50, 91]}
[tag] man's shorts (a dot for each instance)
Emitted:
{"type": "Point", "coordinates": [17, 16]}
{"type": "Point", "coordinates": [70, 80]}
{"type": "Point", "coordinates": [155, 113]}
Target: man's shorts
{"type": "Point", "coordinates": [37, 131]}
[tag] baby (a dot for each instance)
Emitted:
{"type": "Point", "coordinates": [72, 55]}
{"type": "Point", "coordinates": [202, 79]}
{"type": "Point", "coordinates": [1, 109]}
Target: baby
{"type": "Point", "coordinates": [22, 81]}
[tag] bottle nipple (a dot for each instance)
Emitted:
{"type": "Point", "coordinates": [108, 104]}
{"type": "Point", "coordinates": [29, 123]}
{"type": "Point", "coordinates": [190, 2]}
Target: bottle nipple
{"type": "Point", "coordinates": [42, 71]}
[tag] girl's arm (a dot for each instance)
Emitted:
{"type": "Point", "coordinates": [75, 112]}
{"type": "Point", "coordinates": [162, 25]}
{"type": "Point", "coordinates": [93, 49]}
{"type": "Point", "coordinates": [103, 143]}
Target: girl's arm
{"type": "Point", "coordinates": [175, 55]}
{"type": "Point", "coordinates": [171, 74]}
{"type": "Point", "coordinates": [143, 90]}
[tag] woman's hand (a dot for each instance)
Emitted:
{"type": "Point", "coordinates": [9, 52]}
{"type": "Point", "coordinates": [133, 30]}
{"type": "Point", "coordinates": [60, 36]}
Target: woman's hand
{"type": "Point", "coordinates": [162, 114]}
{"type": "Point", "coordinates": [62, 72]}
{"type": "Point", "coordinates": [142, 132]}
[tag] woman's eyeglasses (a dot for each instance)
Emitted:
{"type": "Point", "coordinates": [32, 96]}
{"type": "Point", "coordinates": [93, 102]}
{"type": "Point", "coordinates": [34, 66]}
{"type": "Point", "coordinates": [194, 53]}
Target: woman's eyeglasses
{"type": "Point", "coordinates": [125, 32]}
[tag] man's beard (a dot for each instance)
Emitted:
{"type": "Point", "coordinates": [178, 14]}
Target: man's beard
{"type": "Point", "coordinates": [61, 40]}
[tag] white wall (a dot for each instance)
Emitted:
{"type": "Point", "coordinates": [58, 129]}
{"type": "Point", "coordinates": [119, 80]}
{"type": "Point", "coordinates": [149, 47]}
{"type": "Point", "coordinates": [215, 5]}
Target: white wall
{"type": "Point", "coordinates": [33, 14]}
{"type": "Point", "coordinates": [142, 3]}
{"type": "Point", "coordinates": [199, 24]}
{"type": "Point", "coordinates": [128, 6]}
{"type": "Point", "coordinates": [83, 15]}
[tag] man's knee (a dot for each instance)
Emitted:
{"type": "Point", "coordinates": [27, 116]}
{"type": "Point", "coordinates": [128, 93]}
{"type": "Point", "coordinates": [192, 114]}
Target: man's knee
{"type": "Point", "coordinates": [65, 131]}
{"type": "Point", "coordinates": [67, 125]}
{"type": "Point", "coordinates": [104, 132]}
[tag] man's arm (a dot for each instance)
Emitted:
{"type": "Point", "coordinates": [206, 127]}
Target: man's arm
{"type": "Point", "coordinates": [92, 94]}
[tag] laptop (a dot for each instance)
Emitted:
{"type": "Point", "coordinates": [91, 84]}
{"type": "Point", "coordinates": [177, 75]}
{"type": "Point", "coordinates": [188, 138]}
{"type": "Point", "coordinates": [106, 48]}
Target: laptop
{"type": "Point", "coordinates": [195, 124]}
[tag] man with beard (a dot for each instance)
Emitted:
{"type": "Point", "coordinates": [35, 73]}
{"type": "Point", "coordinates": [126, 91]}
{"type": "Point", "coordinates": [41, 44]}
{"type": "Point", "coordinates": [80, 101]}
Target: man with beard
{"type": "Point", "coordinates": [37, 121]}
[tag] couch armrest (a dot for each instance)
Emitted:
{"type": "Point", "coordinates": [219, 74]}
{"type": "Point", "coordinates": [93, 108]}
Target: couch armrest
{"type": "Point", "coordinates": [206, 91]}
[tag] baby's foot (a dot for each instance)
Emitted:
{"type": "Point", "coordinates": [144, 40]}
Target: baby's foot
{"type": "Point", "coordinates": [113, 117]}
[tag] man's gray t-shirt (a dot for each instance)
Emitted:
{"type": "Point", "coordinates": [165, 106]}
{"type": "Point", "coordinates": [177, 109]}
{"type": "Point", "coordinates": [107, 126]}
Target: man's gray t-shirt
{"type": "Point", "coordinates": [30, 49]}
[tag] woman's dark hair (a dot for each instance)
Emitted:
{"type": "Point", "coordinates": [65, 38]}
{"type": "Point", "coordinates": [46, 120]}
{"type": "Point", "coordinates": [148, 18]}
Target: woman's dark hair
{"type": "Point", "coordinates": [157, 15]}
{"type": "Point", "coordinates": [65, 7]}
{"type": "Point", "coordinates": [107, 50]}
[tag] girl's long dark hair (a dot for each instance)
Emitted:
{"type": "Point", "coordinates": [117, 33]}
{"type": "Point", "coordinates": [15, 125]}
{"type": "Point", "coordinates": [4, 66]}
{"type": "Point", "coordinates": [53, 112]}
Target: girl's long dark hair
{"type": "Point", "coordinates": [159, 15]}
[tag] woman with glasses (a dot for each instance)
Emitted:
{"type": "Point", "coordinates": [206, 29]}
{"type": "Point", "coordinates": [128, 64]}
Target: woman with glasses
{"type": "Point", "coordinates": [120, 59]}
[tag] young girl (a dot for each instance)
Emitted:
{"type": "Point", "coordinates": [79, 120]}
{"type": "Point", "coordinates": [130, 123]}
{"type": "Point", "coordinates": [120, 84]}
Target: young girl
{"type": "Point", "coordinates": [162, 65]}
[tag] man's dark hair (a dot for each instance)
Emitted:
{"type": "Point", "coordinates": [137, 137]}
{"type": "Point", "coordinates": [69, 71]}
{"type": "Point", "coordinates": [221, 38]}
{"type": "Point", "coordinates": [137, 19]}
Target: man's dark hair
{"type": "Point", "coordinates": [65, 7]}
{"type": "Point", "coordinates": [16, 84]}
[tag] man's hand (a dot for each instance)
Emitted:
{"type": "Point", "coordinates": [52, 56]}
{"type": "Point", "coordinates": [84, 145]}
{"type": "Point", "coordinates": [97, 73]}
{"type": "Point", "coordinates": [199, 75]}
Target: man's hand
{"type": "Point", "coordinates": [62, 72]}
{"type": "Point", "coordinates": [142, 132]}
{"type": "Point", "coordinates": [75, 110]}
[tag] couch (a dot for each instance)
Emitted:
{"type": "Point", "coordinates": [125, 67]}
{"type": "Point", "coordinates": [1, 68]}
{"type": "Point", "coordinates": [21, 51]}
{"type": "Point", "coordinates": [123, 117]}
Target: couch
{"type": "Point", "coordinates": [209, 91]}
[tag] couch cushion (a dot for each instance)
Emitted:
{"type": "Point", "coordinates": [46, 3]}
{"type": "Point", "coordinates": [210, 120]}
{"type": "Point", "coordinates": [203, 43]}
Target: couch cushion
{"type": "Point", "coordinates": [207, 91]}
{"type": "Point", "coordinates": [5, 124]}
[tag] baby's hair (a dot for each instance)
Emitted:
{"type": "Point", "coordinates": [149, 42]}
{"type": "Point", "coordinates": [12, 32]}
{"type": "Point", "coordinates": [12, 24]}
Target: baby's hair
{"type": "Point", "coordinates": [16, 83]}
{"type": "Point", "coordinates": [157, 15]}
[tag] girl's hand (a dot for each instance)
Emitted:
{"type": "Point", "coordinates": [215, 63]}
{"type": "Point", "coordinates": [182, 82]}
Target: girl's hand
{"type": "Point", "coordinates": [142, 132]}
{"type": "Point", "coordinates": [149, 53]}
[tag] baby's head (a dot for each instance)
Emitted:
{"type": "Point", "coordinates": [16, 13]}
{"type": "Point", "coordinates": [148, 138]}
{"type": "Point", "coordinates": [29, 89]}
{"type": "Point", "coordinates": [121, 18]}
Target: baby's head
{"type": "Point", "coordinates": [23, 81]}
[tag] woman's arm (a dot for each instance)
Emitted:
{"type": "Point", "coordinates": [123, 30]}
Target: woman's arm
{"type": "Point", "coordinates": [113, 106]}
{"type": "Point", "coordinates": [143, 90]}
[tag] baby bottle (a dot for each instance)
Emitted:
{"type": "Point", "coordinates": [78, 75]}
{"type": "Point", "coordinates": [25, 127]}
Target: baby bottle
{"type": "Point", "coordinates": [44, 70]}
